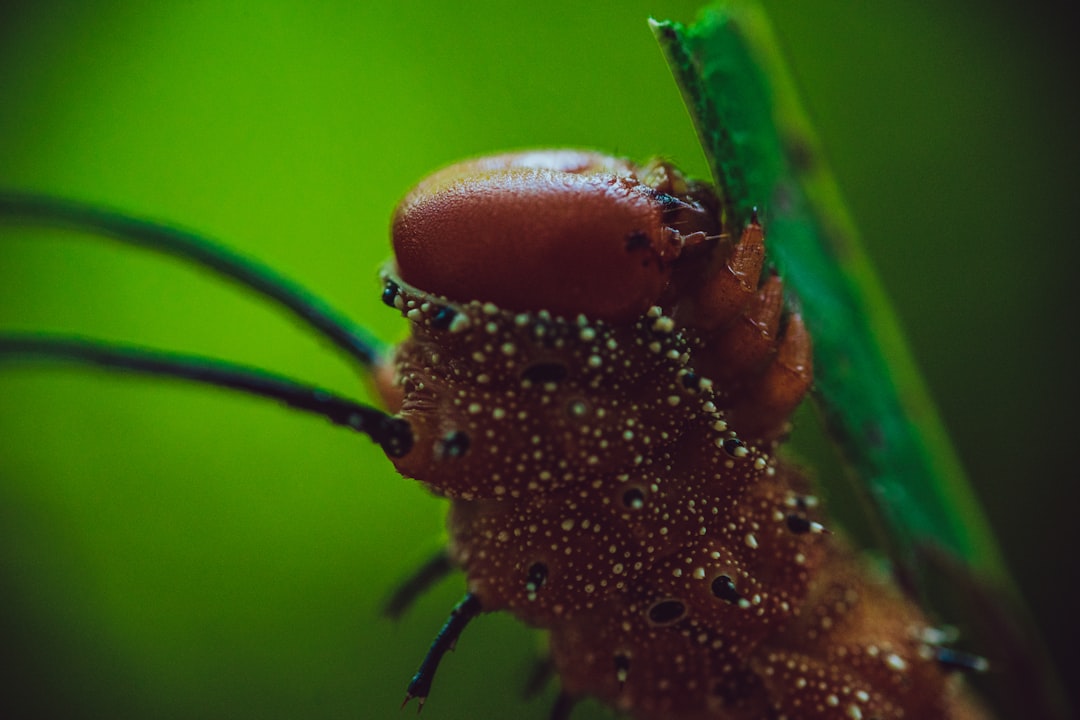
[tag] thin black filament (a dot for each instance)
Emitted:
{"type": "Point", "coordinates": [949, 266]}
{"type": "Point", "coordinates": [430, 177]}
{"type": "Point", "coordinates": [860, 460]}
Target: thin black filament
{"type": "Point", "coordinates": [315, 313]}
{"type": "Point", "coordinates": [391, 433]}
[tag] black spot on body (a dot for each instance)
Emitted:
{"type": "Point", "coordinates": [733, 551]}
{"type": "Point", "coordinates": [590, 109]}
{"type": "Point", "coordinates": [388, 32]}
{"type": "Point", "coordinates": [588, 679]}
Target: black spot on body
{"type": "Point", "coordinates": [666, 612]}
{"type": "Point", "coordinates": [633, 498]}
{"type": "Point", "coordinates": [724, 588]}
{"type": "Point", "coordinates": [389, 293]}
{"type": "Point", "coordinates": [798, 524]}
{"type": "Point", "coordinates": [637, 240]}
{"type": "Point", "coordinates": [732, 445]}
{"type": "Point", "coordinates": [443, 317]}
{"type": "Point", "coordinates": [691, 381]}
{"type": "Point", "coordinates": [736, 687]}
{"type": "Point", "coordinates": [953, 660]}
{"type": "Point", "coordinates": [541, 373]}
{"type": "Point", "coordinates": [622, 667]}
{"type": "Point", "coordinates": [454, 444]}
{"type": "Point", "coordinates": [537, 576]}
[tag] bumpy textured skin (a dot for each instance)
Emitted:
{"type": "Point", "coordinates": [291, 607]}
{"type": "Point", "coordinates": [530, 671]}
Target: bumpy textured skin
{"type": "Point", "coordinates": [611, 460]}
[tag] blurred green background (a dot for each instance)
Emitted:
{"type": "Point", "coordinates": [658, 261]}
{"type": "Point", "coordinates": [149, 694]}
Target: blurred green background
{"type": "Point", "coordinates": [168, 551]}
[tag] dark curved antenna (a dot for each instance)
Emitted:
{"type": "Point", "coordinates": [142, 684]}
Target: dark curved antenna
{"type": "Point", "coordinates": [249, 273]}
{"type": "Point", "coordinates": [391, 433]}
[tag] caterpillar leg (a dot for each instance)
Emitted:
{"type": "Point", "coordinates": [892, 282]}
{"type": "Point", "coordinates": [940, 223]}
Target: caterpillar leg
{"type": "Point", "coordinates": [564, 705]}
{"type": "Point", "coordinates": [460, 616]}
{"type": "Point", "coordinates": [419, 582]}
{"type": "Point", "coordinates": [540, 674]}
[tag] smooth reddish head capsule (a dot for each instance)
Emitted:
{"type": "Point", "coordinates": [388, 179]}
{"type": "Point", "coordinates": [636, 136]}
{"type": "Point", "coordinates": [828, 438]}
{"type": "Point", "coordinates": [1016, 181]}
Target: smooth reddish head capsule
{"type": "Point", "coordinates": [564, 231]}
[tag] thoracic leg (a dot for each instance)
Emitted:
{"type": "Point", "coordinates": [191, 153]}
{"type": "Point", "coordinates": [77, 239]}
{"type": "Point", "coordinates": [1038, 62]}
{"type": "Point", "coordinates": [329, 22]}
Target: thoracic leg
{"type": "Point", "coordinates": [460, 616]}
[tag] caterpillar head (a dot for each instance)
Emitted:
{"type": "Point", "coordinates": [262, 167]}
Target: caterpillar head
{"type": "Point", "coordinates": [563, 231]}
{"type": "Point", "coordinates": [575, 311]}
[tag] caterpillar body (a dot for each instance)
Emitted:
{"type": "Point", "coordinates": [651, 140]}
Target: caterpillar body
{"type": "Point", "coordinates": [599, 376]}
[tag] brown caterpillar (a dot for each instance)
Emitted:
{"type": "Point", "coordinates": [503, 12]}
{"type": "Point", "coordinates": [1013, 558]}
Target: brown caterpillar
{"type": "Point", "coordinates": [598, 378]}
